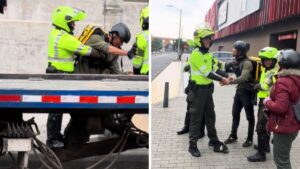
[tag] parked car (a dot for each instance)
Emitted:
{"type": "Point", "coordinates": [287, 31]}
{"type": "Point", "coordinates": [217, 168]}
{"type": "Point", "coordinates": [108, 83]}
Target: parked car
{"type": "Point", "coordinates": [224, 56]}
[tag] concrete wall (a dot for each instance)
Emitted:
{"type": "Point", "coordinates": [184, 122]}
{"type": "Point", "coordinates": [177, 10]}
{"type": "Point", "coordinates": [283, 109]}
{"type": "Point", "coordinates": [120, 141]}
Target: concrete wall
{"type": "Point", "coordinates": [25, 26]}
{"type": "Point", "coordinates": [259, 38]}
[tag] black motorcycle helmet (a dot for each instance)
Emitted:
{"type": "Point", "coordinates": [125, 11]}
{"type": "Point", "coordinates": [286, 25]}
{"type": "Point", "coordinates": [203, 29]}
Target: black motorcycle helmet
{"type": "Point", "coordinates": [241, 47]}
{"type": "Point", "coordinates": [122, 30]}
{"type": "Point", "coordinates": [289, 58]}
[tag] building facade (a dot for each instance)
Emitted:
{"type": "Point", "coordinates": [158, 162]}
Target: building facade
{"type": "Point", "coordinates": [259, 22]}
{"type": "Point", "coordinates": [26, 25]}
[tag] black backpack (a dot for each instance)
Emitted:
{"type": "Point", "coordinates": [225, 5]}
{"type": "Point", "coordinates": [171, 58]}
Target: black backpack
{"type": "Point", "coordinates": [256, 69]}
{"type": "Point", "coordinates": [296, 107]}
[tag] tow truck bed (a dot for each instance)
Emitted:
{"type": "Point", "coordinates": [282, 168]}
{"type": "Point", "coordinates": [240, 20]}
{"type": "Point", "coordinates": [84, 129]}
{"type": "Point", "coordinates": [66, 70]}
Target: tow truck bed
{"type": "Point", "coordinates": [71, 93]}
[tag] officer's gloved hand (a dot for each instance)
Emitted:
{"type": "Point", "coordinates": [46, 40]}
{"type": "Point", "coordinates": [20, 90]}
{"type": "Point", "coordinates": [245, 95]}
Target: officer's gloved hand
{"type": "Point", "coordinates": [187, 68]}
{"type": "Point", "coordinates": [131, 53]}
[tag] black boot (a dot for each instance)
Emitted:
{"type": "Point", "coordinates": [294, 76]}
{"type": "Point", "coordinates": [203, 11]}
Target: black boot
{"type": "Point", "coordinates": [268, 148]}
{"type": "Point", "coordinates": [53, 131]}
{"type": "Point", "coordinates": [184, 130]}
{"type": "Point", "coordinates": [220, 147]}
{"type": "Point", "coordinates": [257, 157]}
{"type": "Point", "coordinates": [193, 149]}
{"type": "Point", "coordinates": [230, 139]}
{"type": "Point", "coordinates": [248, 143]}
{"type": "Point", "coordinates": [261, 149]}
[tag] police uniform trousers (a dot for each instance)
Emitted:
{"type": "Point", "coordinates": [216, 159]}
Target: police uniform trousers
{"type": "Point", "coordinates": [202, 106]}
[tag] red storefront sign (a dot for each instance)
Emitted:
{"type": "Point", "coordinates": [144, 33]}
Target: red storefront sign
{"type": "Point", "coordinates": [287, 36]}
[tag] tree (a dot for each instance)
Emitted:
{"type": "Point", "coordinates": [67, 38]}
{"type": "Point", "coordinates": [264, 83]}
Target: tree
{"type": "Point", "coordinates": [156, 44]}
{"type": "Point", "coordinates": [175, 46]}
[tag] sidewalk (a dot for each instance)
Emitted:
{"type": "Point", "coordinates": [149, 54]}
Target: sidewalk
{"type": "Point", "coordinates": [169, 151]}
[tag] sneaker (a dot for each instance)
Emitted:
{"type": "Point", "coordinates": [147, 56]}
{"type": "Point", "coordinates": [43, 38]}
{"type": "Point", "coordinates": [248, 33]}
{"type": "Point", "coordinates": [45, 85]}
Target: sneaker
{"type": "Point", "coordinates": [247, 143]}
{"type": "Point", "coordinates": [230, 140]}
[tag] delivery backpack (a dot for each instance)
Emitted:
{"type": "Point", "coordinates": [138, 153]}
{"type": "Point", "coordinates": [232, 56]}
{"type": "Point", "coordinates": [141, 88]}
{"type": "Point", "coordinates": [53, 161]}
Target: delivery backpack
{"type": "Point", "coordinates": [255, 73]}
{"type": "Point", "coordinates": [87, 32]}
{"type": "Point", "coordinates": [257, 68]}
{"type": "Point", "coordinates": [90, 30]}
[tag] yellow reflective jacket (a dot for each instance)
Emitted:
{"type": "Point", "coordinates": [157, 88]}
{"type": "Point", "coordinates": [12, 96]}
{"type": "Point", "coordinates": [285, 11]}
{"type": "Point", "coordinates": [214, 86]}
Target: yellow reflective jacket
{"type": "Point", "coordinates": [267, 79]}
{"type": "Point", "coordinates": [201, 66]}
{"type": "Point", "coordinates": [61, 49]}
{"type": "Point", "coordinates": [140, 61]}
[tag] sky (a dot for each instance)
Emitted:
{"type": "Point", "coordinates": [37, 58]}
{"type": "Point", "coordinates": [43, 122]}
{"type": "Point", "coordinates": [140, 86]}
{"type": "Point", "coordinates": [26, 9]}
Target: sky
{"type": "Point", "coordinates": [165, 20]}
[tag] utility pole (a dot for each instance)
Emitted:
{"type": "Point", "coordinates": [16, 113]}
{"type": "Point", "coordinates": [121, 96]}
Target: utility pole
{"type": "Point", "coordinates": [179, 33]}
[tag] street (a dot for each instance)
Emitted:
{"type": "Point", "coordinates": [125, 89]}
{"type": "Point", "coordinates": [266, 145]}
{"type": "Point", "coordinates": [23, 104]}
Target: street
{"type": "Point", "coordinates": [159, 61]}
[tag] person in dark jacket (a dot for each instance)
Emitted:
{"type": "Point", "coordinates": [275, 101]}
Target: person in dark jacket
{"type": "Point", "coordinates": [109, 47]}
{"type": "Point", "coordinates": [243, 98]}
{"type": "Point", "coordinates": [284, 94]}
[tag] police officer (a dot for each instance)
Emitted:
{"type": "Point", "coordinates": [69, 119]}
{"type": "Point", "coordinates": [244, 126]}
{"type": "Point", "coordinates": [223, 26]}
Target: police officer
{"type": "Point", "coordinates": [267, 79]}
{"type": "Point", "coordinates": [244, 93]}
{"type": "Point", "coordinates": [185, 128]}
{"type": "Point", "coordinates": [140, 61]}
{"type": "Point", "coordinates": [203, 72]}
{"type": "Point", "coordinates": [109, 45]}
{"type": "Point", "coordinates": [62, 46]}
{"type": "Point", "coordinates": [187, 68]}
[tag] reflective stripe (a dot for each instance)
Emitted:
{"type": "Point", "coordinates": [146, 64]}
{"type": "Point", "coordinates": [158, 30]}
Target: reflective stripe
{"type": "Point", "coordinates": [137, 66]}
{"type": "Point", "coordinates": [145, 61]}
{"type": "Point", "coordinates": [202, 68]}
{"type": "Point", "coordinates": [56, 44]}
{"type": "Point", "coordinates": [200, 71]}
{"type": "Point", "coordinates": [89, 52]}
{"type": "Point", "coordinates": [196, 73]}
{"type": "Point", "coordinates": [145, 36]}
{"type": "Point", "coordinates": [79, 49]}
{"type": "Point", "coordinates": [61, 59]}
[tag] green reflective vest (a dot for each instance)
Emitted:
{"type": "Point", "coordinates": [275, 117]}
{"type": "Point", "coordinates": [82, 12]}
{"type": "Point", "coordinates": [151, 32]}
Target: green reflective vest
{"type": "Point", "coordinates": [140, 61]}
{"type": "Point", "coordinates": [61, 49]}
{"type": "Point", "coordinates": [267, 79]}
{"type": "Point", "coordinates": [201, 66]}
